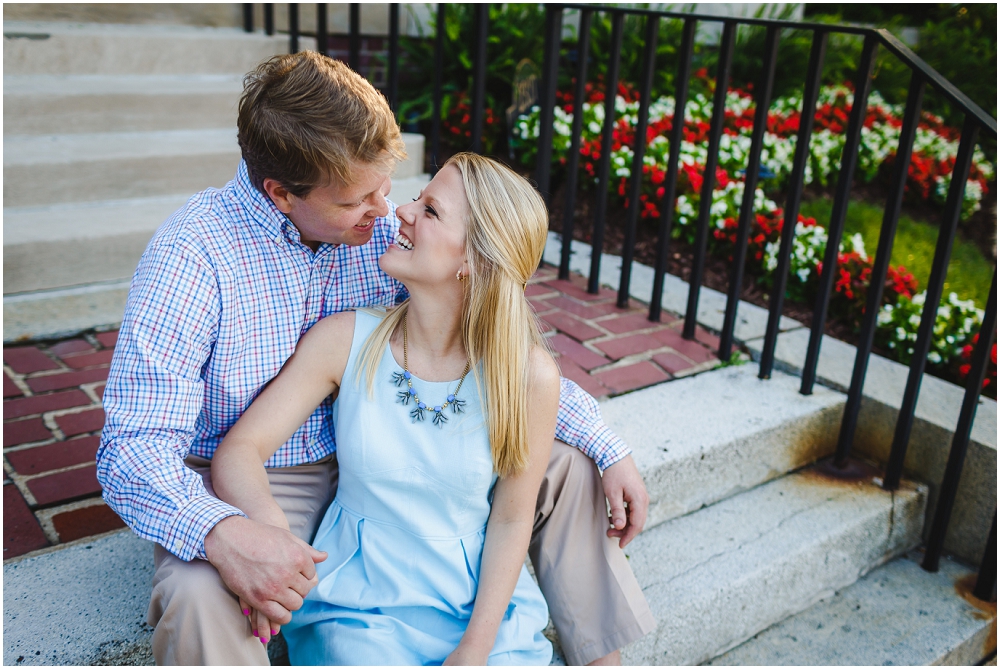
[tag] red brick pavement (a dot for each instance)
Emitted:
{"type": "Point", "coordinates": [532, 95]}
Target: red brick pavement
{"type": "Point", "coordinates": [53, 415]}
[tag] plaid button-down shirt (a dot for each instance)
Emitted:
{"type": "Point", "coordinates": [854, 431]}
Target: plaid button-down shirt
{"type": "Point", "coordinates": [217, 305]}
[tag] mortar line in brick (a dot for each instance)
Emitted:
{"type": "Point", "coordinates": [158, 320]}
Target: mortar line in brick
{"type": "Point", "coordinates": [34, 444]}
{"type": "Point", "coordinates": [18, 380]}
{"type": "Point", "coordinates": [50, 422]}
{"type": "Point", "coordinates": [57, 413]}
{"type": "Point", "coordinates": [31, 477]}
{"type": "Point", "coordinates": [18, 481]}
{"type": "Point", "coordinates": [93, 341]}
{"type": "Point", "coordinates": [90, 390]}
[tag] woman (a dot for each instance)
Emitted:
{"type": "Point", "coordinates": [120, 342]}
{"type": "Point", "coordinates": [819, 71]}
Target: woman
{"type": "Point", "coordinates": [444, 419]}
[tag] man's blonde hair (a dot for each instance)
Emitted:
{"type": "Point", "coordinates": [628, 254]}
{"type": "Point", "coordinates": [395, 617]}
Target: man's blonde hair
{"type": "Point", "coordinates": [505, 236]}
{"type": "Point", "coordinates": [305, 118]}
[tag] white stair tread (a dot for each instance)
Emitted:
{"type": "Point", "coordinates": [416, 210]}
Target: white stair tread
{"type": "Point", "coordinates": [88, 147]}
{"type": "Point", "coordinates": [132, 84]}
{"type": "Point", "coordinates": [716, 577]}
{"type": "Point", "coordinates": [898, 614]}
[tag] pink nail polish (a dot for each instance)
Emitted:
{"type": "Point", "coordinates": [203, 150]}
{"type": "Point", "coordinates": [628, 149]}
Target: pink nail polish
{"type": "Point", "coordinates": [274, 632]}
{"type": "Point", "coordinates": [246, 612]}
{"type": "Point", "coordinates": [255, 633]}
{"type": "Point", "coordinates": [264, 641]}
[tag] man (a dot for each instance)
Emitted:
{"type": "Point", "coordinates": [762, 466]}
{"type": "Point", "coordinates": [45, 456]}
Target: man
{"type": "Point", "coordinates": [222, 294]}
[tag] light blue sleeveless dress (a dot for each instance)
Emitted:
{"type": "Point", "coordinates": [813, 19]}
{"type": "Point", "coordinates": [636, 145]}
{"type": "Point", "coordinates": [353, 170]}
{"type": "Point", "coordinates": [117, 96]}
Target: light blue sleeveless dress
{"type": "Point", "coordinates": [405, 534]}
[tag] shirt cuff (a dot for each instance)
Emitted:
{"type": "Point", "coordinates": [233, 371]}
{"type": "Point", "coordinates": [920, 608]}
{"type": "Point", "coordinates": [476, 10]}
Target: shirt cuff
{"type": "Point", "coordinates": [186, 538]}
{"type": "Point", "coordinates": [607, 447]}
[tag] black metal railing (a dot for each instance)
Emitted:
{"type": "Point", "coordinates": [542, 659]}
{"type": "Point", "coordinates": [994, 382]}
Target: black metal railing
{"type": "Point", "coordinates": [977, 123]}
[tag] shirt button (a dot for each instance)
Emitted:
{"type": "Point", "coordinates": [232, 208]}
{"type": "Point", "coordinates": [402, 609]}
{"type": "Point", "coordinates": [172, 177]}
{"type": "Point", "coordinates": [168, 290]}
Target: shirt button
{"type": "Point", "coordinates": [178, 545]}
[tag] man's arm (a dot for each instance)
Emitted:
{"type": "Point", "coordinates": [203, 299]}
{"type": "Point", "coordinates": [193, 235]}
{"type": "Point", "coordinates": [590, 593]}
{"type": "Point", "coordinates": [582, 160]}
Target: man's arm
{"type": "Point", "coordinates": [580, 424]}
{"type": "Point", "coordinates": [153, 398]}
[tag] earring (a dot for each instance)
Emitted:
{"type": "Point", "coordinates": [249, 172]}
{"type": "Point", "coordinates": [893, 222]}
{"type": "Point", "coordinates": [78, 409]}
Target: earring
{"type": "Point", "coordinates": [459, 275]}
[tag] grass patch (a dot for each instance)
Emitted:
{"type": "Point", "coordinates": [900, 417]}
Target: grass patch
{"type": "Point", "coordinates": [969, 273]}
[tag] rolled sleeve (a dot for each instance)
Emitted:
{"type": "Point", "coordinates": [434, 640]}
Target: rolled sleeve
{"type": "Point", "coordinates": [579, 424]}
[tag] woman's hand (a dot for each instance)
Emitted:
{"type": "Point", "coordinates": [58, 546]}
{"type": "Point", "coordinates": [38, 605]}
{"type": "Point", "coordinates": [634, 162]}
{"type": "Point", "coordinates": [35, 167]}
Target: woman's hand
{"type": "Point", "coordinates": [262, 628]}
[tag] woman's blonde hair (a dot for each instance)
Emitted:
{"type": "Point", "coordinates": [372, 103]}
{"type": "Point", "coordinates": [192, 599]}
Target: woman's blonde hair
{"type": "Point", "coordinates": [505, 237]}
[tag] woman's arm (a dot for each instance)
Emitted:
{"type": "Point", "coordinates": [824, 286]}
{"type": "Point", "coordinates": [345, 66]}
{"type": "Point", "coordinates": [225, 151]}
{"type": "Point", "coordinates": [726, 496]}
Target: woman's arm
{"type": "Point", "coordinates": [508, 531]}
{"type": "Point", "coordinates": [314, 371]}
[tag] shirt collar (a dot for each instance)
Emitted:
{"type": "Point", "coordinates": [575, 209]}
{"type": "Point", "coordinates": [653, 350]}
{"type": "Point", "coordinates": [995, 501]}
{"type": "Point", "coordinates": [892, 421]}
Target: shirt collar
{"type": "Point", "coordinates": [262, 210]}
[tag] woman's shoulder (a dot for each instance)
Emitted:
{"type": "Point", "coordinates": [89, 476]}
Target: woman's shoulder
{"type": "Point", "coordinates": [543, 373]}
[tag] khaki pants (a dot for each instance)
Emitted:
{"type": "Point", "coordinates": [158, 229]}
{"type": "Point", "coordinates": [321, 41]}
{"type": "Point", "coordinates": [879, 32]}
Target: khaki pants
{"type": "Point", "coordinates": [594, 600]}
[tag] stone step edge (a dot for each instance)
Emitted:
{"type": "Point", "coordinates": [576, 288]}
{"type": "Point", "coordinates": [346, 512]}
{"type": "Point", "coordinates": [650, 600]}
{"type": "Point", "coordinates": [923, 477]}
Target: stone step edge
{"type": "Point", "coordinates": [717, 577]}
{"type": "Point", "coordinates": [896, 614]}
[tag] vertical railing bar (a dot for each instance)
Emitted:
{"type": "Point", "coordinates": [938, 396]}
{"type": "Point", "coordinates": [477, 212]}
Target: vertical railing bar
{"type": "Point", "coordinates": [321, 28]}
{"type": "Point", "coordinates": [248, 17]}
{"type": "Point", "coordinates": [986, 581]}
{"type": "Point", "coordinates": [873, 300]}
{"type": "Point", "coordinates": [268, 18]}
{"type": "Point", "coordinates": [834, 231]}
{"type": "Point", "coordinates": [482, 17]}
{"type": "Point", "coordinates": [960, 442]}
{"type": "Point", "coordinates": [638, 154]}
{"type": "Point", "coordinates": [604, 167]}
{"type": "Point", "coordinates": [582, 54]}
{"type": "Point", "coordinates": [747, 213]}
{"type": "Point", "coordinates": [439, 34]}
{"type": "Point", "coordinates": [393, 64]}
{"type": "Point", "coordinates": [667, 203]}
{"type": "Point", "coordinates": [935, 286]}
{"type": "Point", "coordinates": [550, 74]}
{"type": "Point", "coordinates": [354, 43]}
{"type": "Point", "coordinates": [293, 27]}
{"type": "Point", "coordinates": [796, 183]}
{"type": "Point", "coordinates": [708, 179]}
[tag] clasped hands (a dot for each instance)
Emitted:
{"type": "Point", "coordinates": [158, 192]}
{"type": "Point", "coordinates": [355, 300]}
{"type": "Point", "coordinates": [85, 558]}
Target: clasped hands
{"type": "Point", "coordinates": [270, 569]}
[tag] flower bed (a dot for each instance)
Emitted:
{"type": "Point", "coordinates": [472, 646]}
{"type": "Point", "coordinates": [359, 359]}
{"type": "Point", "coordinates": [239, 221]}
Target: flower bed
{"type": "Point", "coordinates": [934, 152]}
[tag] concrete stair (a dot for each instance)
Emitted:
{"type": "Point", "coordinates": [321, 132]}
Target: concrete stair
{"type": "Point", "coordinates": [109, 129]}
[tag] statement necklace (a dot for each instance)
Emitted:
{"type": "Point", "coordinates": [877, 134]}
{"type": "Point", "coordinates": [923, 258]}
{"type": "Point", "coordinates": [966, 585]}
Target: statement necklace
{"type": "Point", "coordinates": [404, 396]}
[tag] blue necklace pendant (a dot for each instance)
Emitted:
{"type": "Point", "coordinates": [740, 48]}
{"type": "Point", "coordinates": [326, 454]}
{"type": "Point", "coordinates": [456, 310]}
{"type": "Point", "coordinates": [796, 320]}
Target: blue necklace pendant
{"type": "Point", "coordinates": [404, 396]}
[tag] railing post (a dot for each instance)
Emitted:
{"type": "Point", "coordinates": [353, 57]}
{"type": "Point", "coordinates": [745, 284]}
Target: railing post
{"type": "Point", "coordinates": [747, 214]}
{"type": "Point", "coordinates": [268, 18]}
{"type": "Point", "coordinates": [321, 23]}
{"type": "Point", "coordinates": [638, 153]}
{"type": "Point", "coordinates": [667, 203]}
{"type": "Point", "coordinates": [550, 80]}
{"type": "Point", "coordinates": [248, 17]}
{"type": "Point", "coordinates": [439, 33]}
{"type": "Point", "coordinates": [604, 167]}
{"type": "Point", "coordinates": [481, 34]}
{"type": "Point", "coordinates": [708, 178]}
{"type": "Point", "coordinates": [795, 185]}
{"type": "Point", "coordinates": [986, 582]}
{"type": "Point", "coordinates": [935, 286]}
{"type": "Point", "coordinates": [393, 74]}
{"type": "Point", "coordinates": [293, 27]}
{"type": "Point", "coordinates": [849, 160]}
{"type": "Point", "coordinates": [873, 301]}
{"type": "Point", "coordinates": [960, 442]}
{"type": "Point", "coordinates": [354, 38]}
{"type": "Point", "coordinates": [582, 53]}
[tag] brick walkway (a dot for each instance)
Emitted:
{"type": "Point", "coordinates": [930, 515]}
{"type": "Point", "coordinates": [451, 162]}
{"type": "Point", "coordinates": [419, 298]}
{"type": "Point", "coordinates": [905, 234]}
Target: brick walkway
{"type": "Point", "coordinates": [53, 417]}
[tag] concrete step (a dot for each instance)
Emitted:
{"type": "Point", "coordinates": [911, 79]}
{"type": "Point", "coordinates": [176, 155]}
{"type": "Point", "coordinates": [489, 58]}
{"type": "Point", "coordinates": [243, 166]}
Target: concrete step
{"type": "Point", "coordinates": [88, 167]}
{"type": "Point", "coordinates": [692, 454]}
{"type": "Point", "coordinates": [43, 47]}
{"type": "Point", "coordinates": [67, 267]}
{"type": "Point", "coordinates": [718, 576]}
{"type": "Point", "coordinates": [898, 614]}
{"type": "Point", "coordinates": [60, 104]}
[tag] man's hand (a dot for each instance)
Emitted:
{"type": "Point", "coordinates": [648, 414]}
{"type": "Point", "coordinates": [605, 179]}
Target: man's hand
{"type": "Point", "coordinates": [267, 567]}
{"type": "Point", "coordinates": [623, 485]}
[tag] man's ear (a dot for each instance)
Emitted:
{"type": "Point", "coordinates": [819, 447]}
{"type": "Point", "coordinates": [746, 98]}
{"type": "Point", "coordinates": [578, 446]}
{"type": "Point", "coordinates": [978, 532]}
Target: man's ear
{"type": "Point", "coordinates": [279, 195]}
